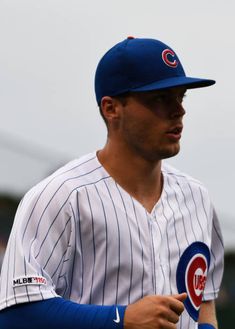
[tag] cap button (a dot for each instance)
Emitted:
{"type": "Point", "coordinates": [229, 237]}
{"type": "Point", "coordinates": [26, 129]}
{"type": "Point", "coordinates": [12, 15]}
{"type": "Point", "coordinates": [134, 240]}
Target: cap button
{"type": "Point", "coordinates": [130, 37]}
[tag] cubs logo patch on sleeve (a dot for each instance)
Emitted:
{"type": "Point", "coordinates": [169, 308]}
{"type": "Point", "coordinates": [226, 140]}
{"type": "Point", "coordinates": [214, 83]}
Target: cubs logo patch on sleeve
{"type": "Point", "coordinates": [191, 276]}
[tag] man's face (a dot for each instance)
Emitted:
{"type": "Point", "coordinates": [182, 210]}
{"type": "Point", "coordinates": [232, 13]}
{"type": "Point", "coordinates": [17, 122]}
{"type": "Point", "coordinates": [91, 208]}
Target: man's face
{"type": "Point", "coordinates": [151, 123]}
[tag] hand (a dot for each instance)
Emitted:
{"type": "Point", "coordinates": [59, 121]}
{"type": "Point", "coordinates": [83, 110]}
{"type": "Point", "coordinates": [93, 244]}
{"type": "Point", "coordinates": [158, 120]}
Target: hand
{"type": "Point", "coordinates": [154, 312]}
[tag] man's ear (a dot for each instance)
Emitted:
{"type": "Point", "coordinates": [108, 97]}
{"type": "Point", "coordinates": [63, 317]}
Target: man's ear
{"type": "Point", "coordinates": [109, 107]}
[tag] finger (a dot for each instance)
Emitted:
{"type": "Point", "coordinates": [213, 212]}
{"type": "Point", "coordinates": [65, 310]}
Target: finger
{"type": "Point", "coordinates": [176, 305]}
{"type": "Point", "coordinates": [180, 297]}
{"type": "Point", "coordinates": [172, 317]}
{"type": "Point", "coordinates": [168, 325]}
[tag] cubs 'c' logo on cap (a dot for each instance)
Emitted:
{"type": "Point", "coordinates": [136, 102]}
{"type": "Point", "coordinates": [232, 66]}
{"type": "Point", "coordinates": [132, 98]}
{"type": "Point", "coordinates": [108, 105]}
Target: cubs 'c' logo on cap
{"type": "Point", "coordinates": [191, 276]}
{"type": "Point", "coordinates": [168, 57]}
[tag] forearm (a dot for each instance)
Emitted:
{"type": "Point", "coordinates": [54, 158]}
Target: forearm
{"type": "Point", "coordinates": [208, 313]}
{"type": "Point", "coordinates": [57, 313]}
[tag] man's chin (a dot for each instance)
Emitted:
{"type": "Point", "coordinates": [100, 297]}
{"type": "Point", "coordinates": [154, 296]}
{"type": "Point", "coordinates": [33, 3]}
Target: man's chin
{"type": "Point", "coordinates": [153, 157]}
{"type": "Point", "coordinates": [170, 153]}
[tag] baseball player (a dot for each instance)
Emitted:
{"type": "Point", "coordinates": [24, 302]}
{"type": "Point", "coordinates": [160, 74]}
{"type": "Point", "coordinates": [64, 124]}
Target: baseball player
{"type": "Point", "coordinates": [118, 238]}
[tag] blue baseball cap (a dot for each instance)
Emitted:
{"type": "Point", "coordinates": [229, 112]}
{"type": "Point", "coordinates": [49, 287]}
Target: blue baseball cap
{"type": "Point", "coordinates": [138, 64]}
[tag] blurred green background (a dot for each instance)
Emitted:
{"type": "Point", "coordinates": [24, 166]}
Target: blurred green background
{"type": "Point", "coordinates": [226, 300]}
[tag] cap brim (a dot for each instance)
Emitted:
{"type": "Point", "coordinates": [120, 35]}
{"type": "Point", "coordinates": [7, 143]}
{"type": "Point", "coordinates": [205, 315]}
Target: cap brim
{"type": "Point", "coordinates": [187, 82]}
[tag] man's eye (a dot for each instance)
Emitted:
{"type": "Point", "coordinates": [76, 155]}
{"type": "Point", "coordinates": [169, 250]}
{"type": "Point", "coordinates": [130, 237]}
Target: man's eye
{"type": "Point", "coordinates": [160, 98]}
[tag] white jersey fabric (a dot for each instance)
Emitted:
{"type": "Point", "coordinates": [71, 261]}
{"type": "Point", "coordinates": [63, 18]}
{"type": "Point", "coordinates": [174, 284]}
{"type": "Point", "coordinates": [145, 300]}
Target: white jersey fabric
{"type": "Point", "coordinates": [80, 235]}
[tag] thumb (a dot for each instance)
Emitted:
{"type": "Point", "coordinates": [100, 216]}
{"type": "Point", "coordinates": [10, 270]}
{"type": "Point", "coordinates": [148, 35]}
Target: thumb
{"type": "Point", "coordinates": [180, 297]}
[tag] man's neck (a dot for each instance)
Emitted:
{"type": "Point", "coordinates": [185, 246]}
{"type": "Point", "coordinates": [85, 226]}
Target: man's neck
{"type": "Point", "coordinates": [142, 179]}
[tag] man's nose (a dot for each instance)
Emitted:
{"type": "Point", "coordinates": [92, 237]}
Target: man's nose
{"type": "Point", "coordinates": [177, 110]}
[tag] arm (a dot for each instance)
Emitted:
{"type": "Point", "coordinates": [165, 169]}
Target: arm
{"type": "Point", "coordinates": [58, 313]}
{"type": "Point", "coordinates": [152, 312]}
{"type": "Point", "coordinates": [208, 314]}
{"type": "Point", "coordinates": [207, 311]}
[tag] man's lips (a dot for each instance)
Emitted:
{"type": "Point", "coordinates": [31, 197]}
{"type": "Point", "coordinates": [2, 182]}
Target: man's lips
{"type": "Point", "coordinates": [175, 132]}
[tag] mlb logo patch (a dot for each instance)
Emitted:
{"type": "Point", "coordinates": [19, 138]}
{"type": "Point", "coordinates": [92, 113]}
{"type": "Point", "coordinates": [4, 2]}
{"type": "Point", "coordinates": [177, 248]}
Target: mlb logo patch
{"type": "Point", "coordinates": [191, 276]}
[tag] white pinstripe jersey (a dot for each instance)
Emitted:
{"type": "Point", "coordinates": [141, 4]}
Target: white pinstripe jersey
{"type": "Point", "coordinates": [80, 235]}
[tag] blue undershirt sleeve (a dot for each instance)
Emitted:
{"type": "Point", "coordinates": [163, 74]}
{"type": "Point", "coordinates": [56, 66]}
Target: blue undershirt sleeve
{"type": "Point", "coordinates": [58, 313]}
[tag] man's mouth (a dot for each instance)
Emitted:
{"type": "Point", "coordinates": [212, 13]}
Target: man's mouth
{"type": "Point", "coordinates": [175, 132]}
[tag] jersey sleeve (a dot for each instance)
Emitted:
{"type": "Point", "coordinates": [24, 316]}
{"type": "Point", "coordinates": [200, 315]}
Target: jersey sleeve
{"type": "Point", "coordinates": [39, 245]}
{"type": "Point", "coordinates": [216, 268]}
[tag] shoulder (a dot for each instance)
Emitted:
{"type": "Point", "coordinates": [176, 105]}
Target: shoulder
{"type": "Point", "coordinates": [181, 178]}
{"type": "Point", "coordinates": [70, 177]}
